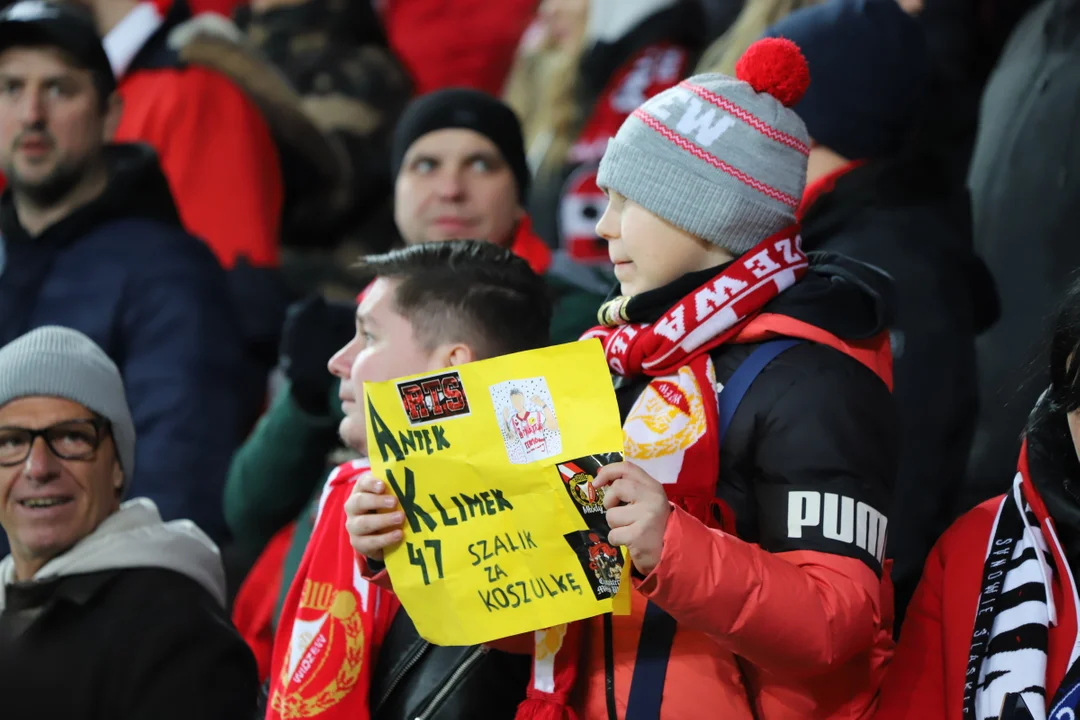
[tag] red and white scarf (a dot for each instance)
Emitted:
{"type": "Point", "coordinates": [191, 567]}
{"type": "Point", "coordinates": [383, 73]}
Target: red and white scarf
{"type": "Point", "coordinates": [674, 351]}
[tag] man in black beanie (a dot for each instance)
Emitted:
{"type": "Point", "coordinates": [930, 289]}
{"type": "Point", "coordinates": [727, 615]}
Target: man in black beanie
{"type": "Point", "coordinates": [876, 192]}
{"type": "Point", "coordinates": [459, 162]}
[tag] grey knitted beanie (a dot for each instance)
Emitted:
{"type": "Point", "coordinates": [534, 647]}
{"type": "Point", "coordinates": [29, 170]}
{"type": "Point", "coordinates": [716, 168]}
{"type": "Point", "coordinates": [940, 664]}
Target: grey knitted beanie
{"type": "Point", "coordinates": [722, 158]}
{"type": "Point", "coordinates": [60, 362]}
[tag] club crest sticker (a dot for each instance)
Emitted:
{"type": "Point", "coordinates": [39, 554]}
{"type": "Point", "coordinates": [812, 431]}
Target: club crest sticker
{"type": "Point", "coordinates": [601, 561]}
{"type": "Point", "coordinates": [325, 654]}
{"type": "Point", "coordinates": [526, 415]}
{"type": "Point", "coordinates": [577, 476]}
{"type": "Point", "coordinates": [433, 399]}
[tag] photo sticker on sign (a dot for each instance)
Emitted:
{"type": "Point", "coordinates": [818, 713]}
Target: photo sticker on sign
{"type": "Point", "coordinates": [526, 415]}
{"type": "Point", "coordinates": [433, 399]}
{"type": "Point", "coordinates": [601, 561]}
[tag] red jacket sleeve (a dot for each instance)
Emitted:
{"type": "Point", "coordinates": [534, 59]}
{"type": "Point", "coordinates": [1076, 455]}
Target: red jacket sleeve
{"type": "Point", "coordinates": [379, 576]}
{"type": "Point", "coordinates": [915, 684]}
{"type": "Point", "coordinates": [744, 597]}
{"type": "Point", "coordinates": [218, 154]}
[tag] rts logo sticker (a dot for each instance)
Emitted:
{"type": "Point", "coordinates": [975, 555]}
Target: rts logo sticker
{"type": "Point", "coordinates": [433, 399]}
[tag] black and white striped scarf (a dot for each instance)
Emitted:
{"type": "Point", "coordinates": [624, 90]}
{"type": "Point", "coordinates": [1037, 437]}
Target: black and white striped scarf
{"type": "Point", "coordinates": [1008, 658]}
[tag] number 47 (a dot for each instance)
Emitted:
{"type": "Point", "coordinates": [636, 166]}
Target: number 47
{"type": "Point", "coordinates": [416, 557]}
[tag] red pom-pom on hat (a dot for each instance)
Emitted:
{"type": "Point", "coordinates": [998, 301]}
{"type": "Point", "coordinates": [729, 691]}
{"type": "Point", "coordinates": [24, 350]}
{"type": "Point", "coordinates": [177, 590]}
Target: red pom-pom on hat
{"type": "Point", "coordinates": [775, 66]}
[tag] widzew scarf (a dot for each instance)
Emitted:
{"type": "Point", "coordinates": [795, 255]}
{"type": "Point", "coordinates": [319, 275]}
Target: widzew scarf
{"type": "Point", "coordinates": [674, 351]}
{"type": "Point", "coordinates": [1006, 674]}
{"type": "Point", "coordinates": [331, 622]}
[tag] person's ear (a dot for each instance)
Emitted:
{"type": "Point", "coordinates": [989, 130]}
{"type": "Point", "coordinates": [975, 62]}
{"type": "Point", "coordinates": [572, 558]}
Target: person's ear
{"type": "Point", "coordinates": [117, 477]}
{"type": "Point", "coordinates": [114, 108]}
{"type": "Point", "coordinates": [451, 355]}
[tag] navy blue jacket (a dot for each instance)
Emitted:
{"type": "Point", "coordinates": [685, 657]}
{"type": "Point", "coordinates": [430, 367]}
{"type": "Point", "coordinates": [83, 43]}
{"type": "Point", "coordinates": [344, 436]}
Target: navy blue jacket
{"type": "Point", "coordinates": [124, 271]}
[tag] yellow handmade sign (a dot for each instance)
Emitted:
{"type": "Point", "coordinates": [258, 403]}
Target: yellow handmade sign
{"type": "Point", "coordinates": [492, 463]}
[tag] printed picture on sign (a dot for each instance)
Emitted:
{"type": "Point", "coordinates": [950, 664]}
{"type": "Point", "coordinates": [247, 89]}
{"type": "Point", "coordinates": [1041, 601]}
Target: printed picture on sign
{"type": "Point", "coordinates": [601, 561]}
{"type": "Point", "coordinates": [527, 418]}
{"type": "Point", "coordinates": [577, 476]}
{"type": "Point", "coordinates": [433, 399]}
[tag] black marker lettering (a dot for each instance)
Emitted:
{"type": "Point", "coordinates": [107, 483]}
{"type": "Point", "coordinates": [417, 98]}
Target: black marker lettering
{"type": "Point", "coordinates": [413, 511]}
{"type": "Point", "coordinates": [446, 519]}
{"type": "Point", "coordinates": [473, 502]}
{"type": "Point", "coordinates": [573, 583]}
{"type": "Point", "coordinates": [408, 441]}
{"type": "Point", "coordinates": [441, 443]}
{"type": "Point", "coordinates": [502, 502]}
{"type": "Point", "coordinates": [558, 579]}
{"type": "Point", "coordinates": [460, 508]}
{"type": "Point", "coordinates": [383, 437]}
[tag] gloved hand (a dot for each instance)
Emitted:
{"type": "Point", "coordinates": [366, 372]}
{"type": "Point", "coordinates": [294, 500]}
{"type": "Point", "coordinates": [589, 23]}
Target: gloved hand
{"type": "Point", "coordinates": [314, 330]}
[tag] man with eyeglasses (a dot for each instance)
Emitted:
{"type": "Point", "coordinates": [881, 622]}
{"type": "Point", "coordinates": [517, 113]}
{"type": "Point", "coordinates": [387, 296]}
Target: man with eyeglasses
{"type": "Point", "coordinates": [106, 611]}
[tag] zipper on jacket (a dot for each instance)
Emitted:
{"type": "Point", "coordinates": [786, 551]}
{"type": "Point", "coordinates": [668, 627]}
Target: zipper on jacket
{"type": "Point", "coordinates": [474, 657]}
{"type": "Point", "coordinates": [410, 663]}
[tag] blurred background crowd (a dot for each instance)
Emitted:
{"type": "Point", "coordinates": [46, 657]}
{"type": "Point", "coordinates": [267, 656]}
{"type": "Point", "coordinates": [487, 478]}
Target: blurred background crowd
{"type": "Point", "coordinates": [293, 137]}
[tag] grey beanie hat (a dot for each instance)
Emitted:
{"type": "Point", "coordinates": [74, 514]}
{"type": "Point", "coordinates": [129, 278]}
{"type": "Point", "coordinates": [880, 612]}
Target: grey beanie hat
{"type": "Point", "coordinates": [59, 362]}
{"type": "Point", "coordinates": [722, 158]}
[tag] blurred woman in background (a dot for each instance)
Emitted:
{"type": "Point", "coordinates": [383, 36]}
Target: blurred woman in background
{"type": "Point", "coordinates": [992, 629]}
{"type": "Point", "coordinates": [582, 69]}
{"type": "Point", "coordinates": [756, 16]}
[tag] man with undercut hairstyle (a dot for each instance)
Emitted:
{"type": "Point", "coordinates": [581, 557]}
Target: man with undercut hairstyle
{"type": "Point", "coordinates": [431, 306]}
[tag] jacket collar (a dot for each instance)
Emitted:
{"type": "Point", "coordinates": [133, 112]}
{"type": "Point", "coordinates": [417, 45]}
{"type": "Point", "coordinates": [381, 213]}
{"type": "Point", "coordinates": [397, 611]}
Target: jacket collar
{"type": "Point", "coordinates": [123, 42]}
{"type": "Point", "coordinates": [530, 248]}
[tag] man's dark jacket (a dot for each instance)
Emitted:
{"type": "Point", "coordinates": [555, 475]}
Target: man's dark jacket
{"type": "Point", "coordinates": [124, 271]}
{"type": "Point", "coordinates": [906, 218]}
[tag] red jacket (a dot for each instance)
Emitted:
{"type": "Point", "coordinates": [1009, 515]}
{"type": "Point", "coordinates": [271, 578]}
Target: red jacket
{"type": "Point", "coordinates": [218, 154]}
{"type": "Point", "coordinates": [927, 675]}
{"type": "Point", "coordinates": [215, 146]}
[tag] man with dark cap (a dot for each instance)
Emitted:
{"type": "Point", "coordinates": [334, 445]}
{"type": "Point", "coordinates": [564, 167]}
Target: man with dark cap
{"type": "Point", "coordinates": [461, 173]}
{"type": "Point", "coordinates": [106, 611]}
{"type": "Point", "coordinates": [875, 192]}
{"type": "Point", "coordinates": [92, 240]}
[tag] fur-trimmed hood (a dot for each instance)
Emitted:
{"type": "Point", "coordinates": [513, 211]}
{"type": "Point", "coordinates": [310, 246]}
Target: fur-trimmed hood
{"type": "Point", "coordinates": [314, 162]}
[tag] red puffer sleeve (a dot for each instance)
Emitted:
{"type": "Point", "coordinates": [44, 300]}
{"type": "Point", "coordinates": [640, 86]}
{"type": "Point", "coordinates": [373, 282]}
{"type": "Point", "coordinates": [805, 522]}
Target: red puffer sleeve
{"type": "Point", "coordinates": [799, 613]}
{"type": "Point", "coordinates": [915, 684]}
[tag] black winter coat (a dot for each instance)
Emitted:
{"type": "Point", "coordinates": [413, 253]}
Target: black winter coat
{"type": "Point", "coordinates": [898, 217]}
{"type": "Point", "coordinates": [1025, 188]}
{"type": "Point", "coordinates": [815, 420]}
{"type": "Point", "coordinates": [130, 644]}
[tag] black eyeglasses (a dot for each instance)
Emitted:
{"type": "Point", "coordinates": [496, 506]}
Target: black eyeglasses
{"type": "Point", "coordinates": [68, 440]}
